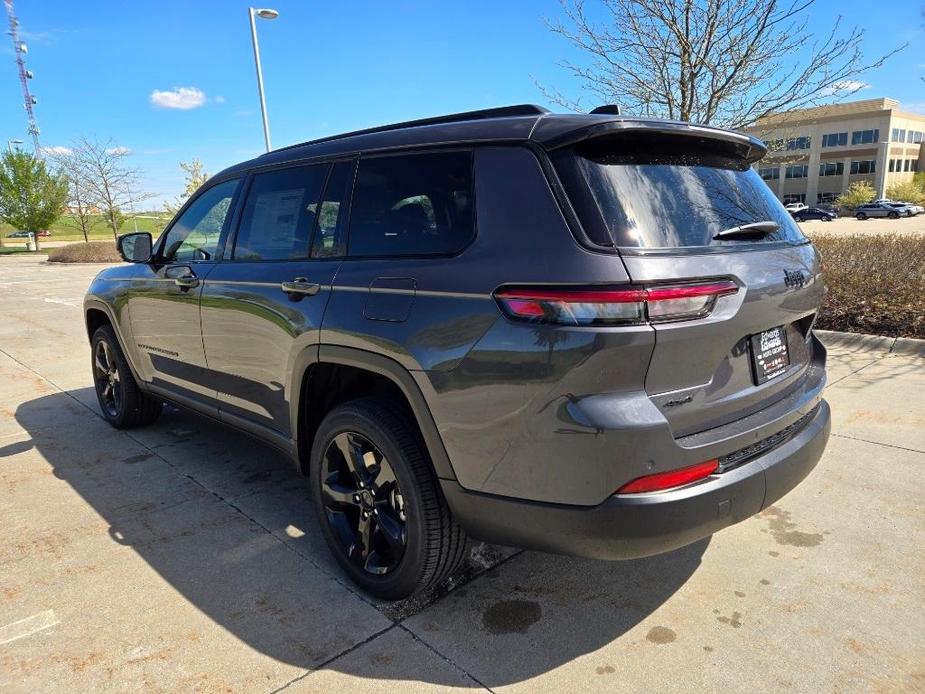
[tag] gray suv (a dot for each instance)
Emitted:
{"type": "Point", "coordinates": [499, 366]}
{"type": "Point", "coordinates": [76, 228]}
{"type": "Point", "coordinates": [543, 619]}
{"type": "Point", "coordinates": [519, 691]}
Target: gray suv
{"type": "Point", "coordinates": [587, 334]}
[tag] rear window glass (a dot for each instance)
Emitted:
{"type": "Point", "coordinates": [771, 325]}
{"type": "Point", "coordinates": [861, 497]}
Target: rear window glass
{"type": "Point", "coordinates": [412, 204]}
{"type": "Point", "coordinates": [665, 197]}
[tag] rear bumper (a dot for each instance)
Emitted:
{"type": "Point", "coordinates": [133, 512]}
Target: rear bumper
{"type": "Point", "coordinates": [628, 527]}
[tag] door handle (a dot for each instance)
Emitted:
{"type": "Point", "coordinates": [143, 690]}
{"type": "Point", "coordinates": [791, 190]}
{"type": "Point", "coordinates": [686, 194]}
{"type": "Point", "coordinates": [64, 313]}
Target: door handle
{"type": "Point", "coordinates": [300, 287]}
{"type": "Point", "coordinates": [186, 282]}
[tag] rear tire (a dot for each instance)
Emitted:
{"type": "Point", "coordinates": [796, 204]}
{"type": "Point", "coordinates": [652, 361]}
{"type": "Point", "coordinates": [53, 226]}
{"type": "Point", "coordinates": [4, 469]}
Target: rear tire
{"type": "Point", "coordinates": [861, 216]}
{"type": "Point", "coordinates": [122, 402]}
{"type": "Point", "coordinates": [893, 215]}
{"type": "Point", "coordinates": [378, 502]}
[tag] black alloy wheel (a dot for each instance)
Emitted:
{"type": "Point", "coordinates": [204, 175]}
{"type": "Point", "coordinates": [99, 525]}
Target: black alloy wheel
{"type": "Point", "coordinates": [861, 216]}
{"type": "Point", "coordinates": [893, 215]}
{"type": "Point", "coordinates": [378, 500]}
{"type": "Point", "coordinates": [106, 377]}
{"type": "Point", "coordinates": [363, 503]}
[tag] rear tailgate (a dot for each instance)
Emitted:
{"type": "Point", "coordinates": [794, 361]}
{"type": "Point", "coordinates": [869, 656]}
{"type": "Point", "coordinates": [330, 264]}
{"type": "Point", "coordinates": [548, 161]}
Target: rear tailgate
{"type": "Point", "coordinates": [662, 199]}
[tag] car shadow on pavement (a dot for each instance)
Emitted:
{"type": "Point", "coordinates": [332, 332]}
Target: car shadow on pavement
{"type": "Point", "coordinates": [227, 523]}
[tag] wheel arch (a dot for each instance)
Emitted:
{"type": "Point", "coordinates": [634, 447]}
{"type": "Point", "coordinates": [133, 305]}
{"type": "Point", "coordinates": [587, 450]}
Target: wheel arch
{"type": "Point", "coordinates": [97, 314]}
{"type": "Point", "coordinates": [368, 371]}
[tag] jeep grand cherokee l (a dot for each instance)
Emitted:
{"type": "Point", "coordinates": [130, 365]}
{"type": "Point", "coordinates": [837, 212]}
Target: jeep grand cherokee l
{"type": "Point", "coordinates": [587, 334]}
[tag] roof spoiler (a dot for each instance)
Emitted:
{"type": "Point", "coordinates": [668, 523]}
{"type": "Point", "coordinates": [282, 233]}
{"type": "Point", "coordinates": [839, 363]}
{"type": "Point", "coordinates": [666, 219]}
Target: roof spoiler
{"type": "Point", "coordinates": [752, 149]}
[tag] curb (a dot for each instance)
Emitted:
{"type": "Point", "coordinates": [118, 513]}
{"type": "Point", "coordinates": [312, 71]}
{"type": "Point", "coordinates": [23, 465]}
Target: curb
{"type": "Point", "coordinates": [860, 342]}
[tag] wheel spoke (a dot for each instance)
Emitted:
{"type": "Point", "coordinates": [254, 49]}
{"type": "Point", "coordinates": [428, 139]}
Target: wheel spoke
{"type": "Point", "coordinates": [352, 452]}
{"type": "Point", "coordinates": [359, 550]}
{"type": "Point", "coordinates": [107, 392]}
{"type": "Point", "coordinates": [98, 362]}
{"type": "Point", "coordinates": [338, 494]}
{"type": "Point", "coordinates": [391, 529]}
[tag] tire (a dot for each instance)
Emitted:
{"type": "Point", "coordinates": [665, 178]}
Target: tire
{"type": "Point", "coordinates": [826, 218]}
{"type": "Point", "coordinates": [122, 402]}
{"type": "Point", "coordinates": [421, 544]}
{"type": "Point", "coordinates": [893, 215]}
{"type": "Point", "coordinates": [861, 216]}
{"type": "Point", "coordinates": [800, 219]}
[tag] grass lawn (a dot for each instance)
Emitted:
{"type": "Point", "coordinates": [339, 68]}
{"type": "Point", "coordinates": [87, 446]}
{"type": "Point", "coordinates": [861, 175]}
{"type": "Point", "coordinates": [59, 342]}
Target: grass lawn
{"type": "Point", "coordinates": [10, 250]}
{"type": "Point", "coordinates": [67, 228]}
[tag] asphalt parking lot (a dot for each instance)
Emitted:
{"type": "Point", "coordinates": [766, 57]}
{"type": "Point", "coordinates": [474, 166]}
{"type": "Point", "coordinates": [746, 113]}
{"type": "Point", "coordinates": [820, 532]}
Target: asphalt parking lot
{"type": "Point", "coordinates": [184, 557]}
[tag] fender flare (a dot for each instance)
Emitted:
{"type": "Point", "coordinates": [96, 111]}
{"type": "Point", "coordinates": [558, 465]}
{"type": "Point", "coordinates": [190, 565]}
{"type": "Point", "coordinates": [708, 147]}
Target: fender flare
{"type": "Point", "coordinates": [97, 305]}
{"type": "Point", "coordinates": [376, 363]}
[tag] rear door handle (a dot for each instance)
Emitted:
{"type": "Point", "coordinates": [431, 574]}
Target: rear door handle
{"type": "Point", "coordinates": [300, 287]}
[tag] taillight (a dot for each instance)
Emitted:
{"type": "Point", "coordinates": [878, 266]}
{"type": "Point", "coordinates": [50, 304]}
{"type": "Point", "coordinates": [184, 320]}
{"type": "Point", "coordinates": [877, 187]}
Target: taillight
{"type": "Point", "coordinates": [584, 306]}
{"type": "Point", "coordinates": [661, 481]}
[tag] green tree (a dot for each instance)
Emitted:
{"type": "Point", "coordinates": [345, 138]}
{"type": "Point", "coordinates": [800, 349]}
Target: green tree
{"type": "Point", "coordinates": [195, 177]}
{"type": "Point", "coordinates": [857, 194]}
{"type": "Point", "coordinates": [31, 197]}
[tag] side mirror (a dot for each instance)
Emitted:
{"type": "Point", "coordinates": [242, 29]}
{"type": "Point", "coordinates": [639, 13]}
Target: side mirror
{"type": "Point", "coordinates": [135, 248]}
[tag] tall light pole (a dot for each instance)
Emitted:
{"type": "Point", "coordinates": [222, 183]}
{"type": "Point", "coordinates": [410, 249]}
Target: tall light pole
{"type": "Point", "coordinates": [10, 143]}
{"type": "Point", "coordinates": [263, 14]}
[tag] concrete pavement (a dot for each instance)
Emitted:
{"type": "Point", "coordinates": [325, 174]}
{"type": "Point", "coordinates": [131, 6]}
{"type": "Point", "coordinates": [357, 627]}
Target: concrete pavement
{"type": "Point", "coordinates": [184, 557]}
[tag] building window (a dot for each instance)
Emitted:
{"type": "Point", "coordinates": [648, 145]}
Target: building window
{"type": "Point", "coordinates": [908, 165]}
{"type": "Point", "coordinates": [899, 135]}
{"type": "Point", "coordinates": [797, 171]}
{"type": "Point", "coordinates": [770, 174]}
{"type": "Point", "coordinates": [835, 140]}
{"type": "Point", "coordinates": [893, 164]}
{"type": "Point", "coordinates": [864, 137]}
{"type": "Point", "coordinates": [915, 165]}
{"type": "Point", "coordinates": [865, 166]}
{"type": "Point", "coordinates": [797, 143]}
{"type": "Point", "coordinates": [826, 198]}
{"type": "Point", "coordinates": [794, 197]}
{"type": "Point", "coordinates": [915, 136]}
{"type": "Point", "coordinates": [832, 168]}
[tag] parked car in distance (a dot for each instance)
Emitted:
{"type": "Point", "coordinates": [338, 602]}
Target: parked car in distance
{"type": "Point", "coordinates": [876, 209]}
{"type": "Point", "coordinates": [814, 213]}
{"type": "Point", "coordinates": [43, 234]}
{"type": "Point", "coordinates": [909, 209]}
{"type": "Point", "coordinates": [453, 336]}
{"type": "Point", "coordinates": [18, 235]}
{"type": "Point", "coordinates": [795, 207]}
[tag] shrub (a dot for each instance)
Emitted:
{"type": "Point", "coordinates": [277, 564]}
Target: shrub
{"type": "Point", "coordinates": [876, 284]}
{"type": "Point", "coordinates": [910, 191]}
{"type": "Point", "coordinates": [858, 193]}
{"type": "Point", "coordinates": [92, 252]}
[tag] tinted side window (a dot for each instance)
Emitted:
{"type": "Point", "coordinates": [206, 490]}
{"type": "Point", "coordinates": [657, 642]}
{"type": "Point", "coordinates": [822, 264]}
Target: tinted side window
{"type": "Point", "coordinates": [279, 214]}
{"type": "Point", "coordinates": [330, 240]}
{"type": "Point", "coordinates": [195, 235]}
{"type": "Point", "coordinates": [412, 204]}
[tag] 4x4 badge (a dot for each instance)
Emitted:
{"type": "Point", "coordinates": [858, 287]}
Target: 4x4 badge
{"type": "Point", "coordinates": [794, 278]}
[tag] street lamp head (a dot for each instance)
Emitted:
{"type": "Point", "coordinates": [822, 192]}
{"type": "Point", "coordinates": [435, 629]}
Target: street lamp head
{"type": "Point", "coordinates": [266, 13]}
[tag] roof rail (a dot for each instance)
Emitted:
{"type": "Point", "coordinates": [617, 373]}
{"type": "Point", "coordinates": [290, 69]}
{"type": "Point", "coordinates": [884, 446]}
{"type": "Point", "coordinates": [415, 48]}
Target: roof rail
{"type": "Point", "coordinates": [498, 112]}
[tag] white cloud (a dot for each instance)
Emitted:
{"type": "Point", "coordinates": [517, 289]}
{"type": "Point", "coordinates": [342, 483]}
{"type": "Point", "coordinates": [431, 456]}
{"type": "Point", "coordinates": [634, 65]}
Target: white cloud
{"type": "Point", "coordinates": [56, 150]}
{"type": "Point", "coordinates": [118, 150]}
{"type": "Point", "coordinates": [183, 98]}
{"type": "Point", "coordinates": [846, 86]}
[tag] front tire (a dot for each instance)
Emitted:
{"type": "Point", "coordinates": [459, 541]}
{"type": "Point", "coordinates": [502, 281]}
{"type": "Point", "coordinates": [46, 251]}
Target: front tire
{"type": "Point", "coordinates": [861, 216]}
{"type": "Point", "coordinates": [378, 501]}
{"type": "Point", "coordinates": [122, 402]}
{"type": "Point", "coordinates": [893, 215]}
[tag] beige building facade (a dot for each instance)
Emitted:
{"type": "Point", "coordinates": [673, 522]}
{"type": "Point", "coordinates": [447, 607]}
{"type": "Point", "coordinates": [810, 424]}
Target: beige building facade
{"type": "Point", "coordinates": [816, 153]}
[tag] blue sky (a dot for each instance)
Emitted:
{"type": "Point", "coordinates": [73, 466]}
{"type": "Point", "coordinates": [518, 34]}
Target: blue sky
{"type": "Point", "coordinates": [329, 67]}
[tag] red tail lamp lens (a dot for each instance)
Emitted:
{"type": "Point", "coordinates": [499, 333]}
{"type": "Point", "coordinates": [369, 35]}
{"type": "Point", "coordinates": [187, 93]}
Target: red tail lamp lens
{"type": "Point", "coordinates": [673, 478]}
{"type": "Point", "coordinates": [615, 306]}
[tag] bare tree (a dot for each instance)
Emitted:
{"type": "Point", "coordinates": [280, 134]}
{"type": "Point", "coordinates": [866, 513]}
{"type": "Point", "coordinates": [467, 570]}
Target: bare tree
{"type": "Point", "coordinates": [721, 62]}
{"type": "Point", "coordinates": [79, 202]}
{"type": "Point", "coordinates": [110, 182]}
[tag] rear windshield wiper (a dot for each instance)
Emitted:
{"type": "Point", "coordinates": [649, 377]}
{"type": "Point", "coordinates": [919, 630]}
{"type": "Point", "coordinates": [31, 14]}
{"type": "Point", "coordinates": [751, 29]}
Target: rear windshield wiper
{"type": "Point", "coordinates": [754, 230]}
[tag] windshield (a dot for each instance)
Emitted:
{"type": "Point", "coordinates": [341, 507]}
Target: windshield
{"type": "Point", "coordinates": [646, 198]}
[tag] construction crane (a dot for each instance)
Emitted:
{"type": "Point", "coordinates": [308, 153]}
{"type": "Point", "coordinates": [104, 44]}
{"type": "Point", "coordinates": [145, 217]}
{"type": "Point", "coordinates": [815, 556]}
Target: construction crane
{"type": "Point", "coordinates": [19, 50]}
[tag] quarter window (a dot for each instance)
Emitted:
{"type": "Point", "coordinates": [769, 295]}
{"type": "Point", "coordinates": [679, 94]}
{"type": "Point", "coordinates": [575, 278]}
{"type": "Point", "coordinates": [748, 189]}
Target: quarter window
{"type": "Point", "coordinates": [195, 234]}
{"type": "Point", "coordinates": [280, 213]}
{"type": "Point", "coordinates": [412, 204]}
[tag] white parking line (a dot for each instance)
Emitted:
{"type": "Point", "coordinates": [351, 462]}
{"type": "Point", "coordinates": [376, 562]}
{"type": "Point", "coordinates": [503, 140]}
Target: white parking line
{"type": "Point", "coordinates": [28, 626]}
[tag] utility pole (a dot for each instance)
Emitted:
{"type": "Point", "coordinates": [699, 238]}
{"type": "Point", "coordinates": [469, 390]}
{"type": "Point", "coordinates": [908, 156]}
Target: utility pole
{"type": "Point", "coordinates": [19, 50]}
